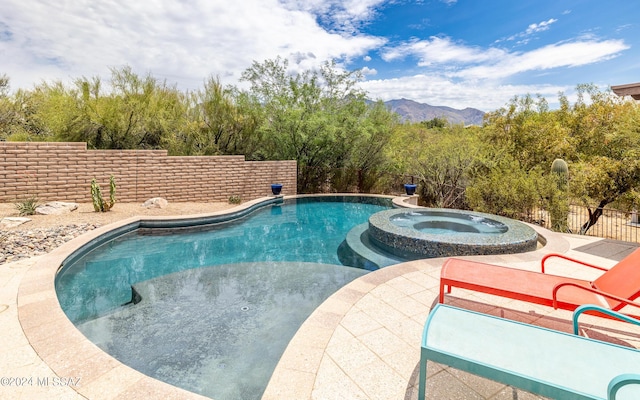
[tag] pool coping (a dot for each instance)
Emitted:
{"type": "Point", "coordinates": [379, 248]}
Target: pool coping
{"type": "Point", "coordinates": [69, 354]}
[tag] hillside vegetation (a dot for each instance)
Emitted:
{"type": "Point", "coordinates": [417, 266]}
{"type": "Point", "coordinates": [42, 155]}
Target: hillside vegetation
{"type": "Point", "coordinates": [343, 142]}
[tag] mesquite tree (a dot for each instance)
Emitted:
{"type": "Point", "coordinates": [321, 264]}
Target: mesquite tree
{"type": "Point", "coordinates": [321, 119]}
{"type": "Point", "coordinates": [605, 131]}
{"type": "Point", "coordinates": [599, 135]}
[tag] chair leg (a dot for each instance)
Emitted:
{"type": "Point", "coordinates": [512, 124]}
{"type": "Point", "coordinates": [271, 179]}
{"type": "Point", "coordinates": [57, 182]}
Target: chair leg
{"type": "Point", "coordinates": [422, 381]}
{"type": "Point", "coordinates": [442, 287]}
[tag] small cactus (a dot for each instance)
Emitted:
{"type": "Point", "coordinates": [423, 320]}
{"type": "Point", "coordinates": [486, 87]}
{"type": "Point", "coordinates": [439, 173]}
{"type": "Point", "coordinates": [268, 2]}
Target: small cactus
{"type": "Point", "coordinates": [99, 204]}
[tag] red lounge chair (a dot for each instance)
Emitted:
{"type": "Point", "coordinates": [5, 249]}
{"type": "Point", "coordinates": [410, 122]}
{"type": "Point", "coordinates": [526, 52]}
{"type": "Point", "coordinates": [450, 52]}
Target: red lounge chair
{"type": "Point", "coordinates": [614, 289]}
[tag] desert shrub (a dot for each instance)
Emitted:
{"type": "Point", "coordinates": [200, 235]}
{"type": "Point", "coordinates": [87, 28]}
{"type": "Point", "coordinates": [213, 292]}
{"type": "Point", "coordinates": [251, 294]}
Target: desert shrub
{"type": "Point", "coordinates": [27, 206]}
{"type": "Point", "coordinates": [444, 166]}
{"type": "Point", "coordinates": [505, 190]}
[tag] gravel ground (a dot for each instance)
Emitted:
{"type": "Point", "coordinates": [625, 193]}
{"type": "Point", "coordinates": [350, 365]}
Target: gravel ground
{"type": "Point", "coordinates": [46, 232]}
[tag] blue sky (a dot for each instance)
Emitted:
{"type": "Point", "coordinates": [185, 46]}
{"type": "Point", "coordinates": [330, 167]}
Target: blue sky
{"type": "Point", "coordinates": [456, 53]}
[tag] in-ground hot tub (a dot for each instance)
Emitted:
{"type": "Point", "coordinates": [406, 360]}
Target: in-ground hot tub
{"type": "Point", "coordinates": [436, 232]}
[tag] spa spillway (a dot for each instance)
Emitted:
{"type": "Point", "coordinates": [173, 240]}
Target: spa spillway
{"type": "Point", "coordinates": [434, 232]}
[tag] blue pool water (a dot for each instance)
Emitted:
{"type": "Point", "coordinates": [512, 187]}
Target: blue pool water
{"type": "Point", "coordinates": [215, 306]}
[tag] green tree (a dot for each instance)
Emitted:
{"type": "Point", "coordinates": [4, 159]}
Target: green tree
{"type": "Point", "coordinates": [136, 113]}
{"type": "Point", "coordinates": [6, 108]}
{"type": "Point", "coordinates": [603, 180]}
{"type": "Point", "coordinates": [20, 114]}
{"type": "Point", "coordinates": [319, 118]}
{"type": "Point", "coordinates": [30, 124]}
{"type": "Point", "coordinates": [599, 135]}
{"type": "Point", "coordinates": [444, 162]}
{"type": "Point", "coordinates": [368, 156]}
{"type": "Point", "coordinates": [605, 131]}
{"type": "Point", "coordinates": [437, 122]}
{"type": "Point", "coordinates": [529, 132]}
{"type": "Point", "coordinates": [223, 121]}
{"type": "Point", "coordinates": [500, 186]}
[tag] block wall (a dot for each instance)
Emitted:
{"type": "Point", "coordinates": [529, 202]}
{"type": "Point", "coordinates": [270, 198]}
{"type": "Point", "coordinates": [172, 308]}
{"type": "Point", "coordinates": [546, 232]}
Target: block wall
{"type": "Point", "coordinates": [63, 171]}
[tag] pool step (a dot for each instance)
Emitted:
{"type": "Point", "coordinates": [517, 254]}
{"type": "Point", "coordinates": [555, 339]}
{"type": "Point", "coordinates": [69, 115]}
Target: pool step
{"type": "Point", "coordinates": [358, 251]}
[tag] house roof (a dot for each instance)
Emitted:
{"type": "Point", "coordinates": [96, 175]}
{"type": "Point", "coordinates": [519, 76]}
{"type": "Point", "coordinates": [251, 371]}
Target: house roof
{"type": "Point", "coordinates": [631, 89]}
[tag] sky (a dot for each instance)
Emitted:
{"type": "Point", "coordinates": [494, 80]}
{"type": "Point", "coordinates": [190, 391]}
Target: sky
{"type": "Point", "coordinates": [455, 53]}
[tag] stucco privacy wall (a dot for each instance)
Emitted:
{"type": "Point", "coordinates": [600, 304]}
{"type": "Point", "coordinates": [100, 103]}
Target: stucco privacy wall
{"type": "Point", "coordinates": [63, 171]}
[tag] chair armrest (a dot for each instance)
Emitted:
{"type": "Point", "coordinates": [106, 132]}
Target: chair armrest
{"type": "Point", "coordinates": [548, 256]}
{"type": "Point", "coordinates": [592, 290]}
{"type": "Point", "coordinates": [600, 309]}
{"type": "Point", "coordinates": [619, 381]}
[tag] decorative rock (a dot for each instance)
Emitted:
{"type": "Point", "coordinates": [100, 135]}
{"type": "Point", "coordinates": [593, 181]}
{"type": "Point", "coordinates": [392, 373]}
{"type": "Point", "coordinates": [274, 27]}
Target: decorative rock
{"type": "Point", "coordinates": [21, 244]}
{"type": "Point", "coordinates": [12, 222]}
{"type": "Point", "coordinates": [56, 208]}
{"type": "Point", "coordinates": [156, 202]}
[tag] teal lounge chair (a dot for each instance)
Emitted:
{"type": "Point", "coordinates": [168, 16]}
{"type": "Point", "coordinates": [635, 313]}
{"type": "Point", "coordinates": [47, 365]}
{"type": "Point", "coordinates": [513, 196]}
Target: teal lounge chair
{"type": "Point", "coordinates": [542, 361]}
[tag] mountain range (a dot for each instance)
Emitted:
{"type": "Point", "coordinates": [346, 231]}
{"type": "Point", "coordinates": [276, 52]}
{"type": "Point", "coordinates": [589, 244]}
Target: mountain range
{"type": "Point", "coordinates": [412, 111]}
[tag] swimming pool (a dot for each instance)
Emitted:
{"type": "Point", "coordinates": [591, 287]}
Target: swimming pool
{"type": "Point", "coordinates": [212, 303]}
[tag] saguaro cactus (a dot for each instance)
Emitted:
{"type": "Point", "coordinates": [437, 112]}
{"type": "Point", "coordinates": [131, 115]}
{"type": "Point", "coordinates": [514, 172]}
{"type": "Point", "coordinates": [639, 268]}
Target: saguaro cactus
{"type": "Point", "coordinates": [560, 169]}
{"type": "Point", "coordinates": [558, 200]}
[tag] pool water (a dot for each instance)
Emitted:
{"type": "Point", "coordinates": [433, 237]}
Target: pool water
{"type": "Point", "coordinates": [447, 223]}
{"type": "Point", "coordinates": [215, 299]}
{"type": "Point", "coordinates": [217, 331]}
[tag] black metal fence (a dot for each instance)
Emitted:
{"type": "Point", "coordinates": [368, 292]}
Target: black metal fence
{"type": "Point", "coordinates": [613, 224]}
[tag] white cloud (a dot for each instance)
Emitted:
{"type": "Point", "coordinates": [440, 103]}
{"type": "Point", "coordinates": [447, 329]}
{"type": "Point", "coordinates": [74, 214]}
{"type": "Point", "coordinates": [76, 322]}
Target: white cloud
{"type": "Point", "coordinates": [369, 71]}
{"type": "Point", "coordinates": [440, 91]}
{"type": "Point", "coordinates": [439, 50]}
{"type": "Point", "coordinates": [459, 76]}
{"type": "Point", "coordinates": [182, 41]}
{"type": "Point", "coordinates": [569, 54]}
{"type": "Point", "coordinates": [525, 37]}
{"type": "Point", "coordinates": [441, 55]}
{"type": "Point", "coordinates": [541, 27]}
{"type": "Point", "coordinates": [340, 15]}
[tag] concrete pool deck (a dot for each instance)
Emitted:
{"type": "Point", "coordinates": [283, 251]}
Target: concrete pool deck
{"type": "Point", "coordinates": [362, 343]}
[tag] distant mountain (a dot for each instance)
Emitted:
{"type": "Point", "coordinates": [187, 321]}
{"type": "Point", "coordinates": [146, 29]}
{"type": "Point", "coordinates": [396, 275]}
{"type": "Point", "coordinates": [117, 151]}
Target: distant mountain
{"type": "Point", "coordinates": [412, 111]}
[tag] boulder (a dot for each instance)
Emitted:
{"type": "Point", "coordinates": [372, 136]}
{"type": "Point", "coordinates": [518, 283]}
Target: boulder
{"type": "Point", "coordinates": [156, 202]}
{"type": "Point", "coordinates": [56, 208]}
{"type": "Point", "coordinates": [12, 222]}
